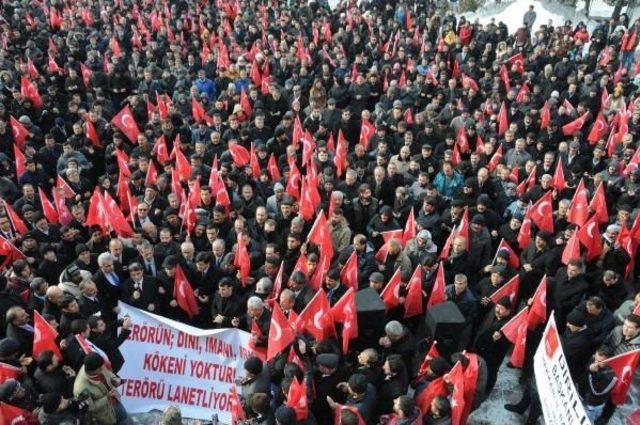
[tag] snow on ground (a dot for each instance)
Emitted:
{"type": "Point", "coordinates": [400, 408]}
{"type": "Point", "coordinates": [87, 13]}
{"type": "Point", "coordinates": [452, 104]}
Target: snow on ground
{"type": "Point", "coordinates": [511, 12]}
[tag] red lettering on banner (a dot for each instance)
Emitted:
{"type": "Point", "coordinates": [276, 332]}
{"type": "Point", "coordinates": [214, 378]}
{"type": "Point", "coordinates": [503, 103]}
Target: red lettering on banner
{"type": "Point", "coordinates": [212, 371]}
{"type": "Point", "coordinates": [220, 347]}
{"type": "Point", "coordinates": [152, 334]}
{"type": "Point", "coordinates": [189, 341]}
{"type": "Point", "coordinates": [165, 364]}
{"type": "Point", "coordinates": [143, 388]}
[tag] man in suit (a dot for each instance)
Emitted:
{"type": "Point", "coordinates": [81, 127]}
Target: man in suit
{"type": "Point", "coordinates": [38, 294]}
{"type": "Point", "coordinates": [303, 292]}
{"type": "Point", "coordinates": [151, 262]}
{"type": "Point", "coordinates": [333, 287]}
{"type": "Point", "coordinates": [19, 328]}
{"type": "Point", "coordinates": [256, 312]}
{"type": "Point", "coordinates": [109, 284]}
{"type": "Point", "coordinates": [122, 255]}
{"type": "Point", "coordinates": [490, 343]}
{"type": "Point", "coordinates": [45, 232]}
{"type": "Point", "coordinates": [221, 258]}
{"type": "Point", "coordinates": [107, 342]}
{"type": "Point", "coordinates": [140, 290]}
{"type": "Point", "coordinates": [89, 302]}
{"type": "Point", "coordinates": [70, 312]}
{"type": "Point", "coordinates": [226, 305]}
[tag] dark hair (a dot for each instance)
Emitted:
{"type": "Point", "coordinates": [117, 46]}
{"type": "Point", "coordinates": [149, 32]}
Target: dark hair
{"type": "Point", "coordinates": [605, 351]}
{"type": "Point", "coordinates": [443, 406]}
{"type": "Point", "coordinates": [406, 405]}
{"type": "Point", "coordinates": [634, 318]}
{"type": "Point", "coordinates": [78, 326]}
{"type": "Point", "coordinates": [45, 359]}
{"type": "Point", "coordinates": [347, 417]}
{"type": "Point", "coordinates": [259, 403]}
{"type": "Point", "coordinates": [396, 365]}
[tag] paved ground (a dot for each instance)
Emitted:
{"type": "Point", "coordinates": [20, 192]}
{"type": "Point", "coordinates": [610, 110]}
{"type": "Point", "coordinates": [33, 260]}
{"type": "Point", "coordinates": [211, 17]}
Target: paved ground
{"type": "Point", "coordinates": [491, 412]}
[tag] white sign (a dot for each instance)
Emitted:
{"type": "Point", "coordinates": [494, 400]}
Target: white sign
{"type": "Point", "coordinates": [560, 402]}
{"type": "Point", "coordinates": [170, 363]}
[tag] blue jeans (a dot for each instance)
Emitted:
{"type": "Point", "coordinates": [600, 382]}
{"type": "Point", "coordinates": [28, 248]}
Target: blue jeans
{"type": "Point", "coordinates": [122, 417]}
{"type": "Point", "coordinates": [593, 412]}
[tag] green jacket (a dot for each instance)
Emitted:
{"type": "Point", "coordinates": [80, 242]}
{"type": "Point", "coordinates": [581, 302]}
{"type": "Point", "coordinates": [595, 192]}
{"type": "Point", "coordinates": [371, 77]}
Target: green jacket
{"type": "Point", "coordinates": [101, 410]}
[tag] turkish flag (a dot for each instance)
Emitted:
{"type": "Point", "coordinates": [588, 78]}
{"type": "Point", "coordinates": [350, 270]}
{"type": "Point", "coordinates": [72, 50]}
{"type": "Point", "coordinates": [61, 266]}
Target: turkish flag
{"type": "Point", "coordinates": [542, 212]}
{"type": "Point", "coordinates": [514, 176]}
{"type": "Point", "coordinates": [297, 399]}
{"type": "Point", "coordinates": [52, 66]}
{"type": "Point", "coordinates": [515, 330]}
{"type": "Point", "coordinates": [272, 167]}
{"type": "Point", "coordinates": [337, 414]}
{"type": "Point", "coordinates": [366, 131]}
{"type": "Point", "coordinates": [277, 286]}
{"type": "Point", "coordinates": [115, 217]}
{"type": "Point", "coordinates": [48, 209]}
{"type": "Point", "coordinates": [324, 264]}
{"type": "Point", "coordinates": [235, 405]}
{"type": "Point", "coordinates": [469, 83]}
{"type": "Point", "coordinates": [495, 159]}
{"type": "Point", "coordinates": [575, 125]}
{"type": "Point", "coordinates": [92, 133]}
{"type": "Point", "coordinates": [316, 317]}
{"type": "Point", "coordinates": [387, 236]}
{"type": "Point", "coordinates": [599, 129]}
{"type": "Point", "coordinates": [518, 61]}
{"type": "Point", "coordinates": [524, 91]}
{"type": "Point", "coordinates": [438, 291]}
{"type": "Point", "coordinates": [160, 150]}
{"type": "Point", "coordinates": [340, 160]}
{"type": "Point", "coordinates": [462, 140]}
{"type": "Point", "coordinates": [598, 204]}
{"type": "Point", "coordinates": [509, 289]}
{"type": "Point", "coordinates": [245, 103]}
{"type": "Point", "coordinates": [89, 347]}
{"type": "Point", "coordinates": [197, 111]}
{"type": "Point", "coordinates": [12, 415]}
{"type": "Point", "coordinates": [64, 215]}
{"type": "Point", "coordinates": [503, 122]}
{"type": "Point", "coordinates": [413, 300]}
{"type": "Point", "coordinates": [8, 371]}
{"type": "Point", "coordinates": [16, 221]}
{"type": "Point", "coordinates": [504, 76]}
{"type": "Point", "coordinates": [390, 294]}
{"type": "Point", "coordinates": [123, 162]}
{"type": "Point", "coordinates": [545, 116]}
{"type": "Point", "coordinates": [125, 122]}
{"type": "Point", "coordinates": [569, 107]}
{"type": "Point", "coordinates": [524, 234]}
{"type": "Point", "coordinates": [345, 312]}
{"type": "Point", "coordinates": [538, 309]}
{"type": "Point", "coordinates": [295, 181]}
{"type": "Point", "coordinates": [558, 182]}
{"type": "Point", "coordinates": [10, 252]}
{"type": "Point", "coordinates": [281, 333]}
{"type": "Point", "coordinates": [409, 228]}
{"type": "Point", "coordinates": [242, 260]}
{"type": "Point", "coordinates": [430, 355]}
{"type": "Point", "coordinates": [253, 162]}
{"type": "Point", "coordinates": [44, 337]}
{"type": "Point", "coordinates": [572, 249]}
{"type": "Point", "coordinates": [320, 235]}
{"type": "Point", "coordinates": [349, 273]}
{"type": "Point", "coordinates": [579, 211]}
{"type": "Point", "coordinates": [589, 236]}
{"type": "Point", "coordinates": [528, 183]}
{"type": "Point", "coordinates": [456, 378]}
{"type": "Point", "coordinates": [298, 132]}
{"type": "Point", "coordinates": [30, 91]}
{"type": "Point", "coordinates": [306, 208]}
{"type": "Point", "coordinates": [514, 261]}
{"type": "Point", "coordinates": [183, 293]}
{"type": "Point", "coordinates": [19, 131]}
{"type": "Point", "coordinates": [623, 365]}
{"type": "Point", "coordinates": [86, 74]}
{"type": "Point", "coordinates": [21, 161]}
{"type": "Point", "coordinates": [436, 388]}
{"type": "Point", "coordinates": [65, 190]}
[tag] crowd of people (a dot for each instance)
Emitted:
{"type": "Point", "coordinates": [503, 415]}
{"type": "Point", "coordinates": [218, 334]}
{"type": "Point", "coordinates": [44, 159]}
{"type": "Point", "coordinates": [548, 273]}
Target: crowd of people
{"type": "Point", "coordinates": [145, 144]}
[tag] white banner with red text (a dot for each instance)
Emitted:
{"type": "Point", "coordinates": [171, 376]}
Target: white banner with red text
{"type": "Point", "coordinates": [170, 363]}
{"type": "Point", "coordinates": [561, 404]}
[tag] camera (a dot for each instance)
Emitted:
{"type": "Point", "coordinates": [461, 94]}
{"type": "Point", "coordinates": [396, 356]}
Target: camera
{"type": "Point", "coordinates": [81, 403]}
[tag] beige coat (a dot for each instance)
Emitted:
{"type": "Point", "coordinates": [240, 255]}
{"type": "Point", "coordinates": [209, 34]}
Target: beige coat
{"type": "Point", "coordinates": [101, 410]}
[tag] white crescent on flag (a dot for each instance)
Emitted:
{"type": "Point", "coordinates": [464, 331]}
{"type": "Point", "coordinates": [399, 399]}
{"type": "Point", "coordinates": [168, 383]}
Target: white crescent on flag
{"type": "Point", "coordinates": [277, 335]}
{"type": "Point", "coordinates": [127, 121]}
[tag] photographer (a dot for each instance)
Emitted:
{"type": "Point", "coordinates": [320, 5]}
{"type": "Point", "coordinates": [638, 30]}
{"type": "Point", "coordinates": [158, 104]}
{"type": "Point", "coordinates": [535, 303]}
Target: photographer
{"type": "Point", "coordinates": [57, 410]}
{"type": "Point", "coordinates": [104, 401]}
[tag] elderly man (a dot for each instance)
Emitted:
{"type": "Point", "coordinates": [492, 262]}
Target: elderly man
{"type": "Point", "coordinates": [399, 340]}
{"type": "Point", "coordinates": [256, 314]}
{"type": "Point", "coordinates": [109, 283]}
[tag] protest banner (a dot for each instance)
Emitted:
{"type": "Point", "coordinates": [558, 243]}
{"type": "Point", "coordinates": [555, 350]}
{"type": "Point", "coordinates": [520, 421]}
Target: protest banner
{"type": "Point", "coordinates": [170, 363]}
{"type": "Point", "coordinates": [561, 404]}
